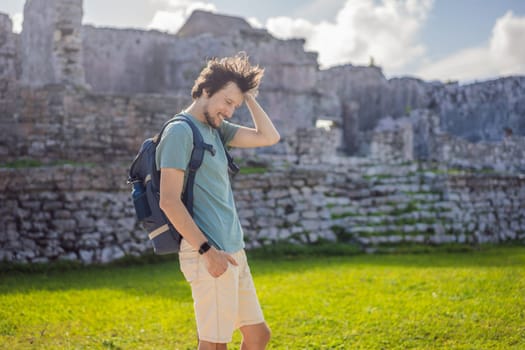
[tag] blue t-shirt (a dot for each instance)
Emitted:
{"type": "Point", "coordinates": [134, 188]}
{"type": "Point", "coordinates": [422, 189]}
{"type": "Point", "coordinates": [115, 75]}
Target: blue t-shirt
{"type": "Point", "coordinates": [214, 208]}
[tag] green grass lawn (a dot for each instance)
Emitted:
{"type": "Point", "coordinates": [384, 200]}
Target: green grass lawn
{"type": "Point", "coordinates": [469, 300]}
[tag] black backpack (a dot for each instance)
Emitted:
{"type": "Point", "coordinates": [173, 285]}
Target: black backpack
{"type": "Point", "coordinates": [145, 180]}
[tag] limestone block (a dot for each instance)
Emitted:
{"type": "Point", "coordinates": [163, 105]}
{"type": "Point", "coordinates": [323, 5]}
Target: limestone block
{"type": "Point", "coordinates": [269, 233]}
{"type": "Point", "coordinates": [63, 225]}
{"type": "Point", "coordinates": [69, 257]}
{"type": "Point", "coordinates": [292, 218]}
{"type": "Point", "coordinates": [328, 235]}
{"type": "Point", "coordinates": [25, 255]}
{"type": "Point", "coordinates": [110, 253]}
{"type": "Point", "coordinates": [277, 194]}
{"type": "Point", "coordinates": [127, 224]}
{"type": "Point", "coordinates": [395, 239]}
{"type": "Point", "coordinates": [136, 248]}
{"type": "Point", "coordinates": [86, 256]}
{"type": "Point", "coordinates": [90, 240]}
{"type": "Point", "coordinates": [310, 215]}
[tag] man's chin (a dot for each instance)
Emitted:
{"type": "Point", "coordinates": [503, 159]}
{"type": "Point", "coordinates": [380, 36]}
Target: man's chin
{"type": "Point", "coordinates": [217, 123]}
{"type": "Point", "coordinates": [213, 122]}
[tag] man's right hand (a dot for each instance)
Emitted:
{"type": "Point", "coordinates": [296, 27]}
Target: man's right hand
{"type": "Point", "coordinates": [217, 261]}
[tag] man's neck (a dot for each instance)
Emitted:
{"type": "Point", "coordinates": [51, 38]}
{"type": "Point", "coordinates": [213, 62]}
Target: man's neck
{"type": "Point", "coordinates": [196, 111]}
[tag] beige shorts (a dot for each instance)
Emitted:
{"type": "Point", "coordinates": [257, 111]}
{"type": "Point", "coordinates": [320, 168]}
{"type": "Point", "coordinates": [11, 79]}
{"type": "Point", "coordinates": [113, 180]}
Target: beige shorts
{"type": "Point", "coordinates": [221, 304]}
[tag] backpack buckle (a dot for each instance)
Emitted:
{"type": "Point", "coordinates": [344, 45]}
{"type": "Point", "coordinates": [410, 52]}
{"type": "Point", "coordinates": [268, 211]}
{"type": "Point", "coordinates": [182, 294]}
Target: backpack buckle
{"type": "Point", "coordinates": [210, 149]}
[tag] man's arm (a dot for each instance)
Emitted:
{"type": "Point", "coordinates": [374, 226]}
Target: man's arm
{"type": "Point", "coordinates": [171, 185]}
{"type": "Point", "coordinates": [264, 133]}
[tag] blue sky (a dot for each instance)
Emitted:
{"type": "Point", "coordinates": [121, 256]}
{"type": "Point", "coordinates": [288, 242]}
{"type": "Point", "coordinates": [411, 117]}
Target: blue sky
{"type": "Point", "coordinates": [462, 40]}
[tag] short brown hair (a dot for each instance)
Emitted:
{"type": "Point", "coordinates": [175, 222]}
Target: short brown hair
{"type": "Point", "coordinates": [219, 72]}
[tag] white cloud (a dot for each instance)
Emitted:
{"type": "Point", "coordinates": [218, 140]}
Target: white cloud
{"type": "Point", "coordinates": [18, 20]}
{"type": "Point", "coordinates": [287, 28]}
{"type": "Point", "coordinates": [503, 55]}
{"type": "Point", "coordinates": [254, 22]}
{"type": "Point", "coordinates": [362, 29]}
{"type": "Point", "coordinates": [506, 44]}
{"type": "Point", "coordinates": [168, 21]}
{"type": "Point", "coordinates": [172, 19]}
{"type": "Point", "coordinates": [463, 65]}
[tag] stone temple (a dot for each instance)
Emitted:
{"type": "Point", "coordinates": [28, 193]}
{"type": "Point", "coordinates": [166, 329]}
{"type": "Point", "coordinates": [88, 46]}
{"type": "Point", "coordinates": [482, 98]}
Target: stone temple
{"type": "Point", "coordinates": [404, 161]}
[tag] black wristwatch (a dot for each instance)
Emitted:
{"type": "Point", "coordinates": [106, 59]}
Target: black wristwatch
{"type": "Point", "coordinates": [204, 248]}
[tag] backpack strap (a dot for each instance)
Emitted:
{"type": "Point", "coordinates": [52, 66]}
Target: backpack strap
{"type": "Point", "coordinates": [233, 168]}
{"type": "Point", "coordinates": [197, 156]}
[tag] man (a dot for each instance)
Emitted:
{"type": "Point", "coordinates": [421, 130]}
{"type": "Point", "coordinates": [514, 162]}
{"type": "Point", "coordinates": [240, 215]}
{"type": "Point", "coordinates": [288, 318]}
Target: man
{"type": "Point", "coordinates": [212, 257]}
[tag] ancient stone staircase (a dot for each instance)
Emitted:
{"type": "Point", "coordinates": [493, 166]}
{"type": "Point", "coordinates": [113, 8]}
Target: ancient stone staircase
{"type": "Point", "coordinates": [411, 203]}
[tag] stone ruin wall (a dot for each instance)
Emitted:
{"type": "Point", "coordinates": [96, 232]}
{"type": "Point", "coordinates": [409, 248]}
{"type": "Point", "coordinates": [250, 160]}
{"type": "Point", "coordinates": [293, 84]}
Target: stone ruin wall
{"type": "Point", "coordinates": [56, 123]}
{"type": "Point", "coordinates": [422, 180]}
{"type": "Point", "coordinates": [51, 49]}
{"type": "Point", "coordinates": [359, 97]}
{"type": "Point", "coordinates": [84, 213]}
{"type": "Point", "coordinates": [153, 62]}
{"type": "Point", "coordinates": [506, 156]}
{"type": "Point", "coordinates": [8, 67]}
{"type": "Point", "coordinates": [419, 137]}
{"type": "Point", "coordinates": [482, 111]}
{"type": "Point", "coordinates": [115, 73]}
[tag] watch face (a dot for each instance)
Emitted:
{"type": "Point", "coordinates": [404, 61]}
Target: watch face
{"type": "Point", "coordinates": [204, 248]}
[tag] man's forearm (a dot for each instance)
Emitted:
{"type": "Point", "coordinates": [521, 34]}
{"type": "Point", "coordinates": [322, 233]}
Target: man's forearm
{"type": "Point", "coordinates": [183, 222]}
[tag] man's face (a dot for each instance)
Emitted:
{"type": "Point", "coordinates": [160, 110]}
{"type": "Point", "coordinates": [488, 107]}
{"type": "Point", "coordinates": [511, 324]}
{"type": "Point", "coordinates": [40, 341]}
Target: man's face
{"type": "Point", "coordinates": [222, 104]}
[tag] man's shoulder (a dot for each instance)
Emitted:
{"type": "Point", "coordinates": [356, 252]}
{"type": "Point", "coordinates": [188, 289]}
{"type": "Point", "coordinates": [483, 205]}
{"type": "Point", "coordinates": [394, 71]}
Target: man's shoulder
{"type": "Point", "coordinates": [179, 129]}
{"type": "Point", "coordinates": [176, 136]}
{"type": "Point", "coordinates": [175, 146]}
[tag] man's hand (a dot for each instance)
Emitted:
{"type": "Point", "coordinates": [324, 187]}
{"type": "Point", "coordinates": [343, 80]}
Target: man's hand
{"type": "Point", "coordinates": [251, 93]}
{"type": "Point", "coordinates": [217, 262]}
